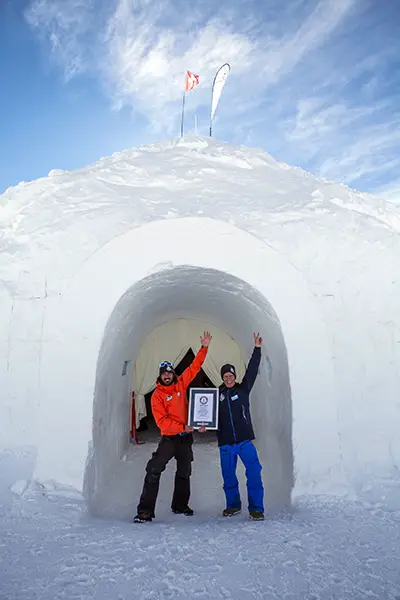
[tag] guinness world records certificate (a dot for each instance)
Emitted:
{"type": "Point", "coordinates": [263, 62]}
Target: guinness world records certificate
{"type": "Point", "coordinates": [203, 408]}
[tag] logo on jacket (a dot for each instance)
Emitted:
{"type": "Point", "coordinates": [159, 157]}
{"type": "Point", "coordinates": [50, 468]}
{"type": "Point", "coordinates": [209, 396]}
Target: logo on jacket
{"type": "Point", "coordinates": [169, 398]}
{"type": "Point", "coordinates": [221, 397]}
{"type": "Point", "coordinates": [235, 397]}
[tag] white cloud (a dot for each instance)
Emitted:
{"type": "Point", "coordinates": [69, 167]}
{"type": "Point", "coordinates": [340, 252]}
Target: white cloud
{"type": "Point", "coordinates": [142, 60]}
{"type": "Point", "coordinates": [366, 155]}
{"type": "Point", "coordinates": [346, 142]}
{"type": "Point", "coordinates": [146, 65]}
{"type": "Point", "coordinates": [64, 25]}
{"type": "Point", "coordinates": [390, 192]}
{"type": "Point", "coordinates": [289, 86]}
{"type": "Point", "coordinates": [288, 51]}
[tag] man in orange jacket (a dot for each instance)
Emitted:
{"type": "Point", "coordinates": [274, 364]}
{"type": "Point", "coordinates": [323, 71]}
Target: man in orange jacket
{"type": "Point", "coordinates": [169, 404]}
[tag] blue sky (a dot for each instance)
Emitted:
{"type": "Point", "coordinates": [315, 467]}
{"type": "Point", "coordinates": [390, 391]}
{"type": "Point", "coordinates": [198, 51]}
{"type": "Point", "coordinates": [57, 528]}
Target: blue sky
{"type": "Point", "coordinates": [316, 83]}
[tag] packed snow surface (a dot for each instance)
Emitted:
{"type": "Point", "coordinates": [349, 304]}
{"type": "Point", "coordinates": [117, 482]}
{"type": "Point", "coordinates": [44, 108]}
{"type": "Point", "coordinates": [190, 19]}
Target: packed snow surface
{"type": "Point", "coordinates": [320, 550]}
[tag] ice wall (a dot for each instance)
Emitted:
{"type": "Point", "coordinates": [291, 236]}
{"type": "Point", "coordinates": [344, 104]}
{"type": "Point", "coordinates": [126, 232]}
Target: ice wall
{"type": "Point", "coordinates": [323, 257]}
{"type": "Point", "coordinates": [77, 320]}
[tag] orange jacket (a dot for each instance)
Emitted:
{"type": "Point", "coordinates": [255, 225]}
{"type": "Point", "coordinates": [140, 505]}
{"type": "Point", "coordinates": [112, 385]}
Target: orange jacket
{"type": "Point", "coordinates": [169, 403]}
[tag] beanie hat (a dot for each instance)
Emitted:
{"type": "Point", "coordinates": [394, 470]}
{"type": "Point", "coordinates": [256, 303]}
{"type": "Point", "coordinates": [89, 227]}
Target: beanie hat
{"type": "Point", "coordinates": [166, 368]}
{"type": "Point", "coordinates": [228, 369]}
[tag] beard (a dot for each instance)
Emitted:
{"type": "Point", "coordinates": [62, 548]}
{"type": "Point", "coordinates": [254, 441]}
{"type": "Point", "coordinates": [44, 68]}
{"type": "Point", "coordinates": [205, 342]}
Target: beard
{"type": "Point", "coordinates": [174, 379]}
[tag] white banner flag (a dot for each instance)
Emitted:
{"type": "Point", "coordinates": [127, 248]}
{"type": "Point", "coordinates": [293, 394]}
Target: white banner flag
{"type": "Point", "coordinates": [219, 82]}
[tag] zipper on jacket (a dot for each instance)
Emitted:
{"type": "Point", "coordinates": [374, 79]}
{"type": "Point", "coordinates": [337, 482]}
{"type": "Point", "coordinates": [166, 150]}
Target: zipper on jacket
{"type": "Point", "coordinates": [230, 414]}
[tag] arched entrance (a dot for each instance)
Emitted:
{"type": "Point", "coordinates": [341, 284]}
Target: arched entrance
{"type": "Point", "coordinates": [229, 304]}
{"type": "Point", "coordinates": [124, 290]}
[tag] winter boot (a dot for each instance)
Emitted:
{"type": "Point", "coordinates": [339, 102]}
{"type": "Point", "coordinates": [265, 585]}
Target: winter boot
{"type": "Point", "coordinates": [142, 518]}
{"type": "Point", "coordinates": [231, 512]}
{"type": "Point", "coordinates": [256, 515]}
{"type": "Point", "coordinates": [187, 511]}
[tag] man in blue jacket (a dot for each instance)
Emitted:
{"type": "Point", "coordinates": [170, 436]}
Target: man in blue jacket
{"type": "Point", "coordinates": [235, 435]}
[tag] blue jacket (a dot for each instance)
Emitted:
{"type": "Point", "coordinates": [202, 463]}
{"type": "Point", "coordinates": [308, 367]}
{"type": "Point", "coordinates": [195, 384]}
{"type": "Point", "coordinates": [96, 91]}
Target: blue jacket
{"type": "Point", "coordinates": [234, 420]}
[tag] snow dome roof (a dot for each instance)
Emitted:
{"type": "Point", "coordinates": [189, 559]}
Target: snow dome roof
{"type": "Point", "coordinates": [195, 177]}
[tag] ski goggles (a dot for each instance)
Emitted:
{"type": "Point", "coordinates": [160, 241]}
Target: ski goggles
{"type": "Point", "coordinates": [165, 363]}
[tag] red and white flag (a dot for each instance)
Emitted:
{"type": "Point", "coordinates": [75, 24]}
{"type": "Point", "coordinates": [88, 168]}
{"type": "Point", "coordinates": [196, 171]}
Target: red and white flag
{"type": "Point", "coordinates": [191, 81]}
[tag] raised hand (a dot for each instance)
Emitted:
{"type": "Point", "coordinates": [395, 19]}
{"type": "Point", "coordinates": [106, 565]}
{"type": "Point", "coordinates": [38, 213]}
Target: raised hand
{"type": "Point", "coordinates": [206, 339]}
{"type": "Point", "coordinates": [257, 340]}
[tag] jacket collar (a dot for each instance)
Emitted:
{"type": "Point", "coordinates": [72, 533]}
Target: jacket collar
{"type": "Point", "coordinates": [167, 389]}
{"type": "Point", "coordinates": [224, 389]}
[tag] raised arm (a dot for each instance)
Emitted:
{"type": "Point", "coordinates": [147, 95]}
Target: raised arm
{"type": "Point", "coordinates": [190, 373]}
{"type": "Point", "coordinates": [252, 368]}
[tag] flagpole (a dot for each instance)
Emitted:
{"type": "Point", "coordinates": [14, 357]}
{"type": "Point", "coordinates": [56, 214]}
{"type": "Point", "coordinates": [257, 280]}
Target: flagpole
{"type": "Point", "coordinates": [183, 113]}
{"type": "Point", "coordinates": [212, 95]}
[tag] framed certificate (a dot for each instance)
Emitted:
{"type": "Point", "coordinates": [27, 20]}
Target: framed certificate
{"type": "Point", "coordinates": [203, 408]}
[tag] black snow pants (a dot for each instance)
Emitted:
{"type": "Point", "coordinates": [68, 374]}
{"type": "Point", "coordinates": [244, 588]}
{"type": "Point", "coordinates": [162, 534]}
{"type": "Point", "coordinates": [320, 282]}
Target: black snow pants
{"type": "Point", "coordinates": [170, 446]}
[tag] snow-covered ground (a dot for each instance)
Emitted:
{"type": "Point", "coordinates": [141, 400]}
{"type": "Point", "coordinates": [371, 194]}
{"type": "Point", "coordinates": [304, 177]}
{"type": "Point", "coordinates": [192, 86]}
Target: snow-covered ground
{"type": "Point", "coordinates": [52, 550]}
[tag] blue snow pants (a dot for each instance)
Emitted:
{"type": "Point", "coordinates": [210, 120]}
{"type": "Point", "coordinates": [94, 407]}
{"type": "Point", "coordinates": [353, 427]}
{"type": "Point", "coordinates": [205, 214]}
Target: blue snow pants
{"type": "Point", "coordinates": [249, 457]}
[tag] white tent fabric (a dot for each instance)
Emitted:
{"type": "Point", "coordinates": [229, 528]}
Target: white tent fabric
{"type": "Point", "coordinates": [171, 341]}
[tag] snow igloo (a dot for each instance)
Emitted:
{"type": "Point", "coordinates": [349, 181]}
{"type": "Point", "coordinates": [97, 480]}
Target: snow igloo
{"type": "Point", "coordinates": [109, 269]}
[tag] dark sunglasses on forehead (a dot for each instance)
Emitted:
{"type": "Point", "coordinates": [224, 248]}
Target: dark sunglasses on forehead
{"type": "Point", "coordinates": [166, 363]}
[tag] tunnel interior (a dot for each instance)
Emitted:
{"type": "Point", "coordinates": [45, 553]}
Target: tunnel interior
{"type": "Point", "coordinates": [112, 483]}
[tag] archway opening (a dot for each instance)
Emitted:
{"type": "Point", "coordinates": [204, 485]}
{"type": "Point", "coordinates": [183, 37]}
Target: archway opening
{"type": "Point", "coordinates": [112, 483]}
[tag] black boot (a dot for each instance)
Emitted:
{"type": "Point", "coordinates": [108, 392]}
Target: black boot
{"type": "Point", "coordinates": [187, 511]}
{"type": "Point", "coordinates": [256, 515]}
{"type": "Point", "coordinates": [231, 512]}
{"type": "Point", "coordinates": [142, 518]}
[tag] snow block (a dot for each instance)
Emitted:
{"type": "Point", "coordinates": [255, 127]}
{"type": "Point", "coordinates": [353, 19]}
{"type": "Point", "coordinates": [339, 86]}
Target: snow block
{"type": "Point", "coordinates": [206, 231]}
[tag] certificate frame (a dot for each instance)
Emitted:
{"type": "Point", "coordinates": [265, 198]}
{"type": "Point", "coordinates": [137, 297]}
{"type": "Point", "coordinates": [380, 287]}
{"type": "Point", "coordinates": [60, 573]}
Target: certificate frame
{"type": "Point", "coordinates": [196, 407]}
